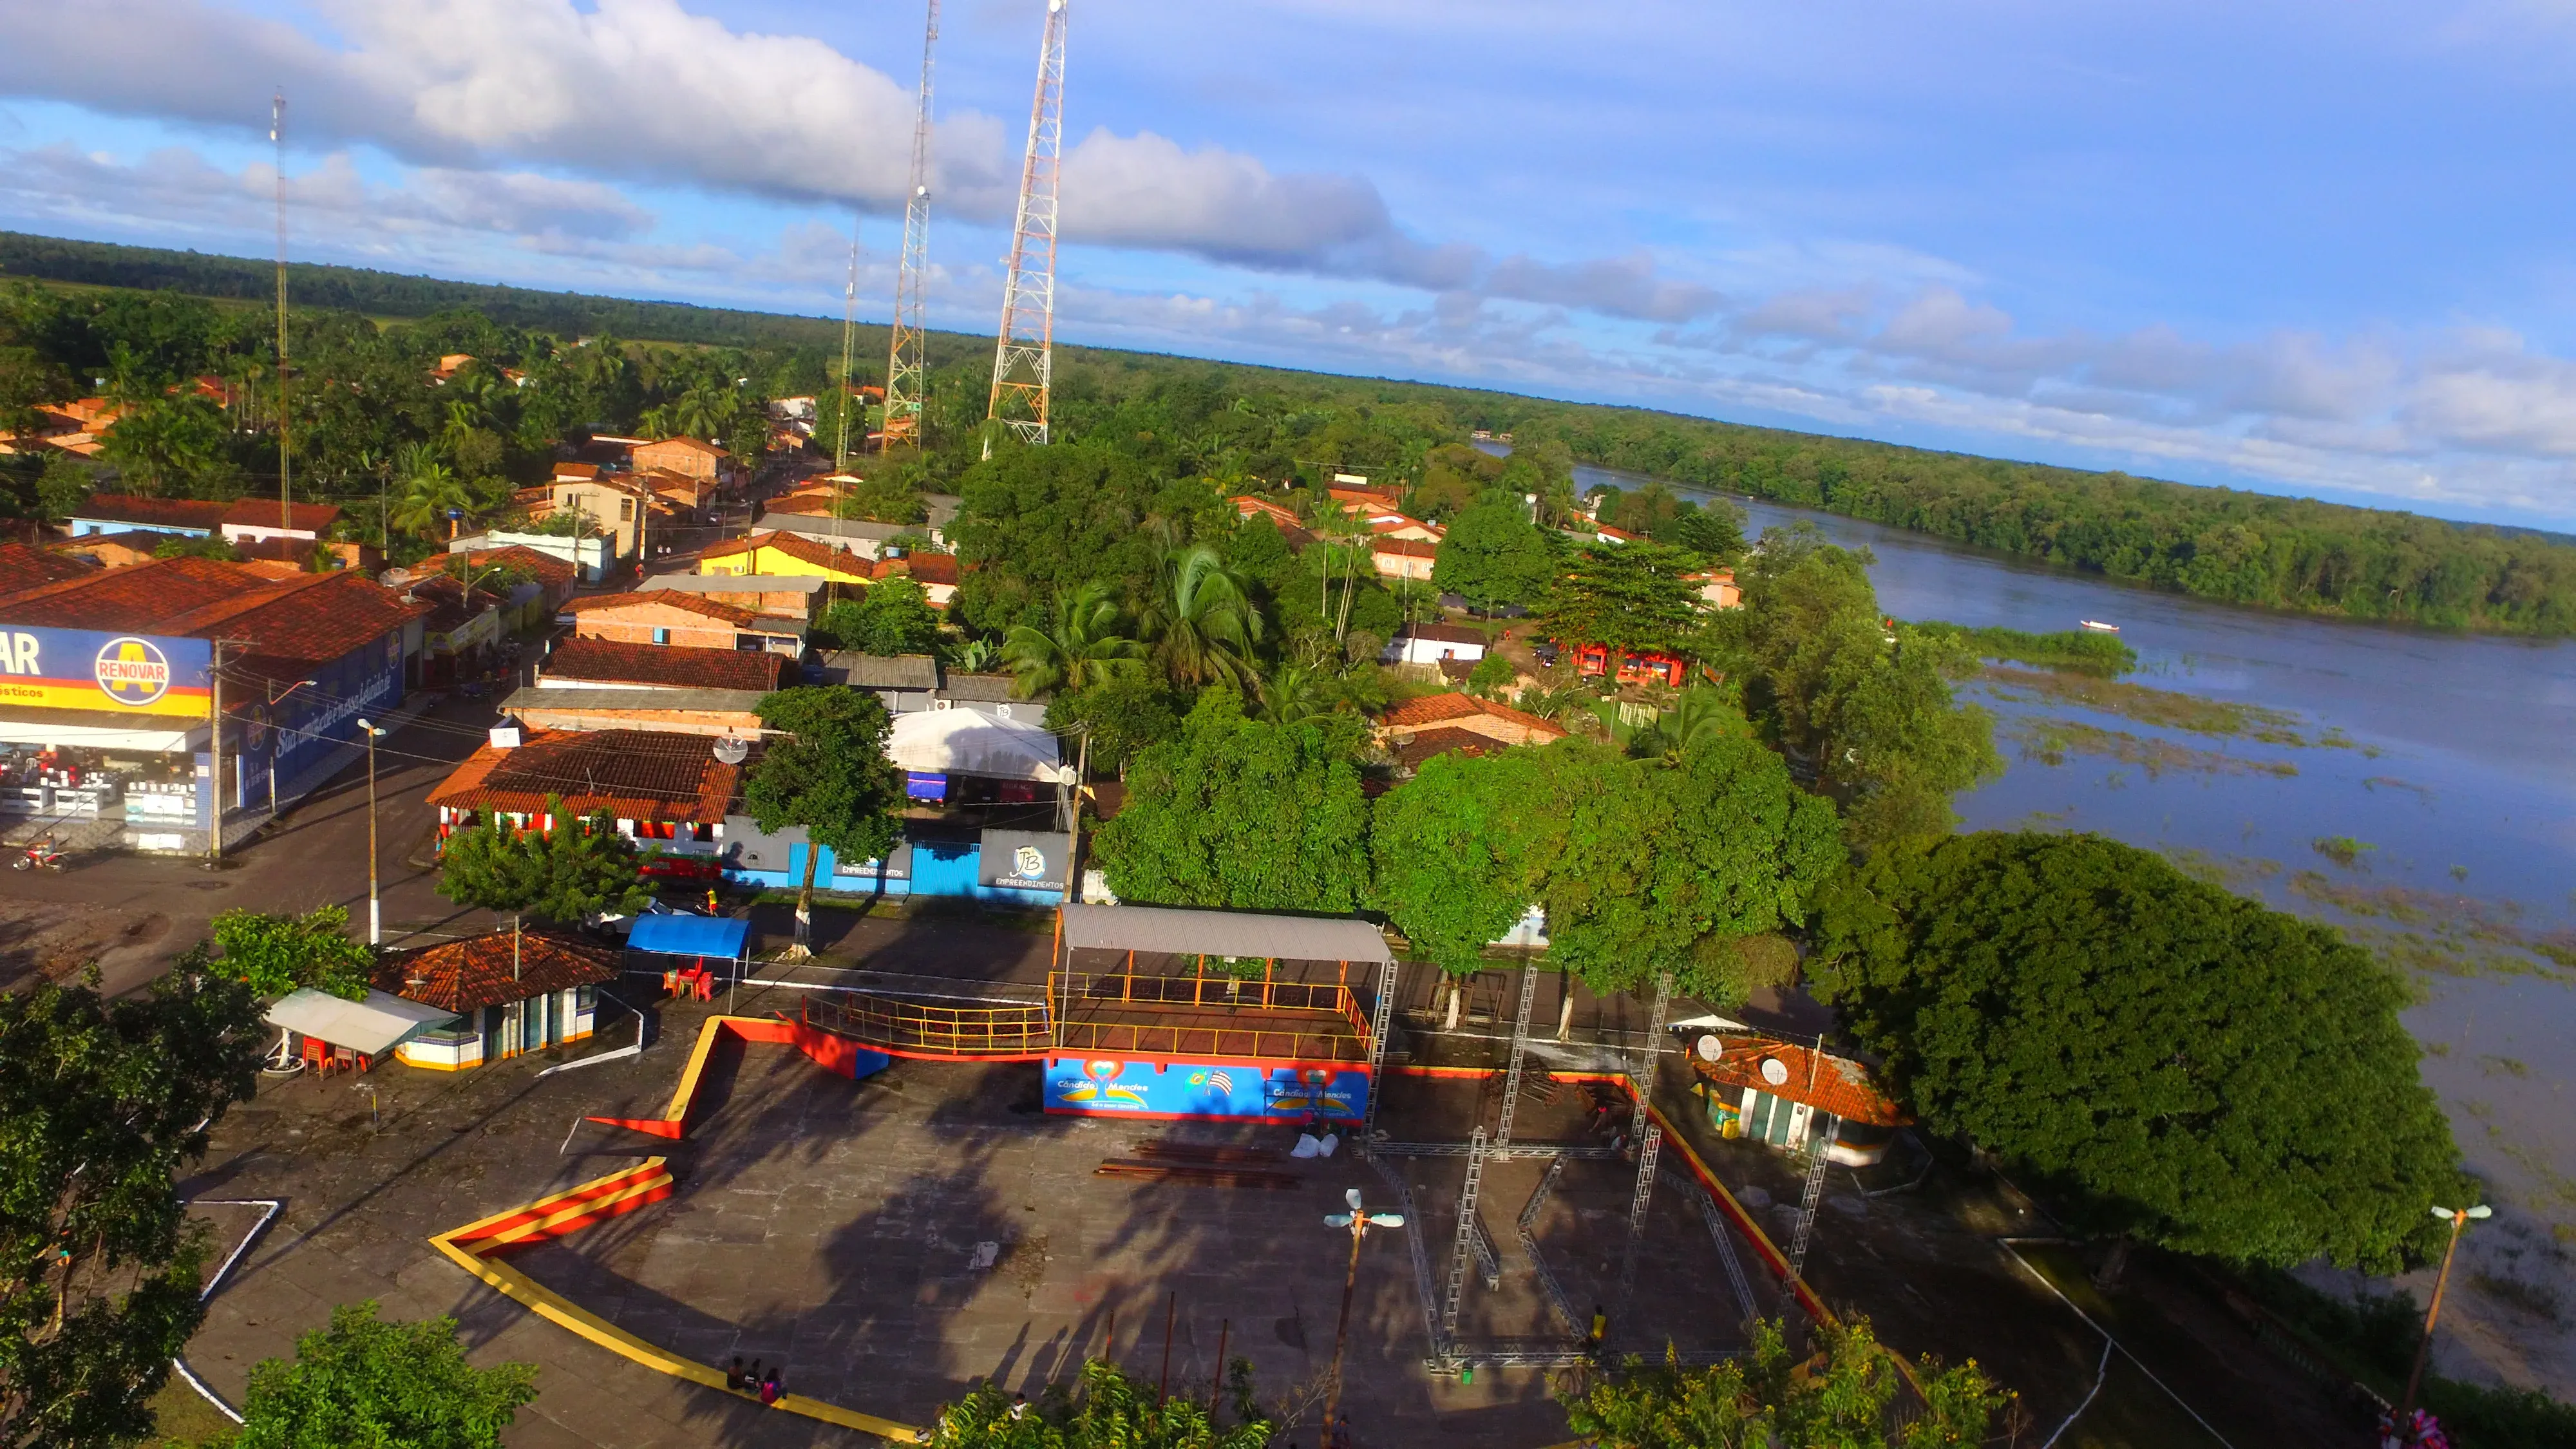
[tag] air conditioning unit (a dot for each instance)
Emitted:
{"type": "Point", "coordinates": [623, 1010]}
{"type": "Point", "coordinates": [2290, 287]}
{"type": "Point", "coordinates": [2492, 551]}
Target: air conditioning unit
{"type": "Point", "coordinates": [943, 704]}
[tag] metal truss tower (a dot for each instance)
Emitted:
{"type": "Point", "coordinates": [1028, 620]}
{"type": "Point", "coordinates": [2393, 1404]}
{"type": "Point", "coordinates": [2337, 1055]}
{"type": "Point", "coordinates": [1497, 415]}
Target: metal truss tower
{"type": "Point", "coordinates": [285, 482]}
{"type": "Point", "coordinates": [906, 382]}
{"type": "Point", "coordinates": [849, 334]}
{"type": "Point", "coordinates": [1024, 354]}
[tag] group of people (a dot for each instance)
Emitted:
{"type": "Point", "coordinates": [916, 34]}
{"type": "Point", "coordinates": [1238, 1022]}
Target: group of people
{"type": "Point", "coordinates": [752, 1380]}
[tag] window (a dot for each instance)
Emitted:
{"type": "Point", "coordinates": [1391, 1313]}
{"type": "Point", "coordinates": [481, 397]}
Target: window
{"type": "Point", "coordinates": [625, 510]}
{"type": "Point", "coordinates": [661, 636]}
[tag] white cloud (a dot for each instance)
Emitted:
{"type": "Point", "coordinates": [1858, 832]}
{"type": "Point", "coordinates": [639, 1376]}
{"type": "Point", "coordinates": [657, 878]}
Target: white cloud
{"type": "Point", "coordinates": [646, 91]}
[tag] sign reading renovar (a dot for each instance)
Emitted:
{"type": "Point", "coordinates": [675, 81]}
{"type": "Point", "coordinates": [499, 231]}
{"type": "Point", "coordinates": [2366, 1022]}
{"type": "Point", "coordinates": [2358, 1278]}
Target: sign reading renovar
{"type": "Point", "coordinates": [88, 669]}
{"type": "Point", "coordinates": [1107, 1087]}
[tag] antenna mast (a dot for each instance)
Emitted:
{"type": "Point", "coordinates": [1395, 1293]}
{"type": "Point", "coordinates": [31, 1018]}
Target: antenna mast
{"type": "Point", "coordinates": [277, 141]}
{"type": "Point", "coordinates": [849, 325]}
{"type": "Point", "coordinates": [905, 392]}
{"type": "Point", "coordinates": [1024, 354]}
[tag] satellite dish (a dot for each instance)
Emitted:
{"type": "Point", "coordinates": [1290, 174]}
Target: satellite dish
{"type": "Point", "coordinates": [1709, 1048]}
{"type": "Point", "coordinates": [1775, 1071]}
{"type": "Point", "coordinates": [732, 751]}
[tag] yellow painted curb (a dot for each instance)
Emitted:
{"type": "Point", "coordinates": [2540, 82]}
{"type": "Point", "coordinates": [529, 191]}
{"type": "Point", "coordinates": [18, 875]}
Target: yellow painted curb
{"type": "Point", "coordinates": [558, 1207]}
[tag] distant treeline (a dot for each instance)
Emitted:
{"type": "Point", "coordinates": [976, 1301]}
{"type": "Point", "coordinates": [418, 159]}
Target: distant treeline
{"type": "Point", "coordinates": [2216, 543]}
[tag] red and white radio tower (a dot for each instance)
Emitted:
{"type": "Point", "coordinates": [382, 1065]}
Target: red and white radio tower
{"type": "Point", "coordinates": [905, 389]}
{"type": "Point", "coordinates": [1024, 355]}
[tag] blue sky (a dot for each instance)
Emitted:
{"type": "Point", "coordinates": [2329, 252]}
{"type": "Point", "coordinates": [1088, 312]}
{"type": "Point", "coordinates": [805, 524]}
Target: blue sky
{"type": "Point", "coordinates": [2307, 247]}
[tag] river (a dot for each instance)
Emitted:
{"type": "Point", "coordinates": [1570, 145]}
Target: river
{"type": "Point", "coordinates": [2453, 760]}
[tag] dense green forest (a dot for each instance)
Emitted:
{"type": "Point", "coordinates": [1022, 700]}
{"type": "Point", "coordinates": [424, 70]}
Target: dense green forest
{"type": "Point", "coordinates": [2216, 543]}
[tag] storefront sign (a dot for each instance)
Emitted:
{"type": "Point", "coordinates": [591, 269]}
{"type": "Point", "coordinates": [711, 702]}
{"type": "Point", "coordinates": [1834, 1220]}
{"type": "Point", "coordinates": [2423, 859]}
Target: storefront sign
{"type": "Point", "coordinates": [92, 670]}
{"type": "Point", "coordinates": [1023, 860]}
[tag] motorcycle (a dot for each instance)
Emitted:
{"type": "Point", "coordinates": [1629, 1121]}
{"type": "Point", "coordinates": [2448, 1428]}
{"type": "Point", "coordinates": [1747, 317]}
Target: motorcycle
{"type": "Point", "coordinates": [40, 857]}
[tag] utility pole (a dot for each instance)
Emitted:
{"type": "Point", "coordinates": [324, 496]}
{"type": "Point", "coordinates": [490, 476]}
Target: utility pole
{"type": "Point", "coordinates": [277, 143]}
{"type": "Point", "coordinates": [905, 390]}
{"type": "Point", "coordinates": [215, 748]}
{"type": "Point", "coordinates": [2459, 1219]}
{"type": "Point", "coordinates": [375, 909]}
{"type": "Point", "coordinates": [1024, 354]}
{"type": "Point", "coordinates": [841, 385]}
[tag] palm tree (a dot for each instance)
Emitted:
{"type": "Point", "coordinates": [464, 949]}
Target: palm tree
{"type": "Point", "coordinates": [1202, 619]}
{"type": "Point", "coordinates": [1289, 695]}
{"type": "Point", "coordinates": [1079, 646]}
{"type": "Point", "coordinates": [429, 491]}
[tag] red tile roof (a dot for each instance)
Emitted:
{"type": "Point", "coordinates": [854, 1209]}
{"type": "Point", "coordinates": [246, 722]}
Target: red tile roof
{"type": "Point", "coordinates": [795, 546]}
{"type": "Point", "coordinates": [154, 512]}
{"type": "Point", "coordinates": [1432, 709]}
{"type": "Point", "coordinates": [549, 570]}
{"type": "Point", "coordinates": [136, 599]}
{"type": "Point", "coordinates": [22, 567]}
{"type": "Point", "coordinates": [667, 599]}
{"type": "Point", "coordinates": [494, 970]}
{"type": "Point", "coordinates": [312, 518]}
{"type": "Point", "coordinates": [629, 774]}
{"type": "Point", "coordinates": [698, 445]}
{"type": "Point", "coordinates": [1405, 547]}
{"type": "Point", "coordinates": [1836, 1084]}
{"type": "Point", "coordinates": [609, 661]}
{"type": "Point", "coordinates": [315, 618]}
{"type": "Point", "coordinates": [1443, 741]}
{"type": "Point", "coordinates": [922, 568]}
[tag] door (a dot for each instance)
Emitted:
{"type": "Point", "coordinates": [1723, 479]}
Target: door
{"type": "Point", "coordinates": [945, 867]}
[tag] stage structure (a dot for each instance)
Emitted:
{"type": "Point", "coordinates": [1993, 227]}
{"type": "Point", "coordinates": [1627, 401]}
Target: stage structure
{"type": "Point", "coordinates": [1160, 1014]}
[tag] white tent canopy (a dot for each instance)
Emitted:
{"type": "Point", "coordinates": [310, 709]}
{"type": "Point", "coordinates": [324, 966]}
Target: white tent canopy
{"type": "Point", "coordinates": [971, 742]}
{"type": "Point", "coordinates": [369, 1028]}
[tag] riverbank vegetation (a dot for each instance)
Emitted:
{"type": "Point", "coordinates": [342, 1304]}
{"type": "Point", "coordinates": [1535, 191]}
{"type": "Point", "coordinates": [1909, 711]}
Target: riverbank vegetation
{"type": "Point", "coordinates": [2214, 543]}
{"type": "Point", "coordinates": [2050, 741]}
{"type": "Point", "coordinates": [2067, 649]}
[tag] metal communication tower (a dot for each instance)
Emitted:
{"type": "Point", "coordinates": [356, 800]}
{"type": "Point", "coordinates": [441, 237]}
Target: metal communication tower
{"type": "Point", "coordinates": [1024, 354]}
{"type": "Point", "coordinates": [849, 335]}
{"type": "Point", "coordinates": [906, 388]}
{"type": "Point", "coordinates": [277, 142]}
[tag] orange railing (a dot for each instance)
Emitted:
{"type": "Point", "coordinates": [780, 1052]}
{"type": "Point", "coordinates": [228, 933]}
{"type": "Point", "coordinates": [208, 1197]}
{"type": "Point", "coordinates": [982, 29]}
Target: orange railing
{"type": "Point", "coordinates": [915, 1029]}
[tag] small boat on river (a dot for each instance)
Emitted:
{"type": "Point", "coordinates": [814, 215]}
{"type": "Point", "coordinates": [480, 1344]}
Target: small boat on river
{"type": "Point", "coordinates": [2098, 627]}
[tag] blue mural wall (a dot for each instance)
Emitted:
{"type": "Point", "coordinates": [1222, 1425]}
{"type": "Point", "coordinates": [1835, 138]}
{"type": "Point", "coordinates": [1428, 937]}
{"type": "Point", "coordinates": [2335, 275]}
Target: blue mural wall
{"type": "Point", "coordinates": [1108, 1087]}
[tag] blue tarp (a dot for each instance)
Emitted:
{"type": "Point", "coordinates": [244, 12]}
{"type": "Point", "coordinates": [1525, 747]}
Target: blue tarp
{"type": "Point", "coordinates": [715, 937]}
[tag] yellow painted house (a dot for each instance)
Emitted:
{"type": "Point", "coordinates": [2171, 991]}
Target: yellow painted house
{"type": "Point", "coordinates": [773, 555]}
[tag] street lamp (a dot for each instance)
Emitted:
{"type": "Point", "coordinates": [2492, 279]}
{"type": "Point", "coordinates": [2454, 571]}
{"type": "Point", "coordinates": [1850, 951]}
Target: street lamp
{"type": "Point", "coordinates": [375, 911]}
{"type": "Point", "coordinates": [2459, 1219]}
{"type": "Point", "coordinates": [1359, 1220]}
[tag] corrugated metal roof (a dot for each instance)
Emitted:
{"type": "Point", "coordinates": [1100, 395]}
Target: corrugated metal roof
{"type": "Point", "coordinates": [1223, 933]}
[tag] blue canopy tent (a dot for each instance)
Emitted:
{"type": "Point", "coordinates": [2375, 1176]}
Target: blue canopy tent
{"type": "Point", "coordinates": [705, 938]}
{"type": "Point", "coordinates": [717, 937]}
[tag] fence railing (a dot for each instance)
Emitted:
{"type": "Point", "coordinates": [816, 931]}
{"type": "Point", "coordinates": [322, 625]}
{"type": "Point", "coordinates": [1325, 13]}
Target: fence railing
{"type": "Point", "coordinates": [919, 1029]}
{"type": "Point", "coordinates": [1288, 1020]}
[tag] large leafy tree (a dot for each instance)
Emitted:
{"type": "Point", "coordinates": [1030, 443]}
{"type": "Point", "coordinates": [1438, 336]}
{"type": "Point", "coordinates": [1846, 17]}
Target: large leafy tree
{"type": "Point", "coordinates": [1113, 1411]}
{"type": "Point", "coordinates": [1494, 555]}
{"type": "Point", "coordinates": [1624, 595]}
{"type": "Point", "coordinates": [894, 617]}
{"type": "Point", "coordinates": [1080, 644]}
{"type": "Point", "coordinates": [566, 874]}
{"type": "Point", "coordinates": [1236, 812]}
{"type": "Point", "coordinates": [826, 771]}
{"type": "Point", "coordinates": [274, 955]}
{"type": "Point", "coordinates": [1669, 866]}
{"type": "Point", "coordinates": [1645, 866]}
{"type": "Point", "coordinates": [1838, 1396]}
{"type": "Point", "coordinates": [1119, 718]}
{"type": "Point", "coordinates": [2186, 1067]}
{"type": "Point", "coordinates": [1859, 702]}
{"type": "Point", "coordinates": [1039, 522]}
{"type": "Point", "coordinates": [100, 1104]}
{"type": "Point", "coordinates": [364, 1381]}
{"type": "Point", "coordinates": [162, 443]}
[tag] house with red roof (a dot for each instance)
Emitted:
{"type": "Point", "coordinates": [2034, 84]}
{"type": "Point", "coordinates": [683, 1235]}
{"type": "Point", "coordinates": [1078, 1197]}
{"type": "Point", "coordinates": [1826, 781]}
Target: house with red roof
{"type": "Point", "coordinates": [1435, 724]}
{"type": "Point", "coordinates": [1795, 1096]}
{"type": "Point", "coordinates": [509, 992]}
{"type": "Point", "coordinates": [669, 617]}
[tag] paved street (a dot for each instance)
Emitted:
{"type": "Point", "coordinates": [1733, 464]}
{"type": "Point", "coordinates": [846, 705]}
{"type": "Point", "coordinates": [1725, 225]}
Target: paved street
{"type": "Point", "coordinates": [148, 908]}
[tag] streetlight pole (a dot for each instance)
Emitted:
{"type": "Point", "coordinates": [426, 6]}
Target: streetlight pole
{"type": "Point", "coordinates": [2459, 1219]}
{"type": "Point", "coordinates": [1359, 1220]}
{"type": "Point", "coordinates": [375, 909]}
